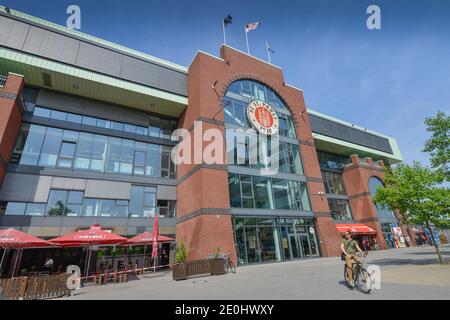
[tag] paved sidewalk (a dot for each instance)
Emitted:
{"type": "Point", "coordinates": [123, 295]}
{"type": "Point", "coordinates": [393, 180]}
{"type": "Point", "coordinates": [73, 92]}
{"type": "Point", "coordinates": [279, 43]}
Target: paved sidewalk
{"type": "Point", "coordinates": [409, 273]}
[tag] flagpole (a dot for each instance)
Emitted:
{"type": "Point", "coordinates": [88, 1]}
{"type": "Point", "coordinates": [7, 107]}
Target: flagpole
{"type": "Point", "coordinates": [268, 52]}
{"type": "Point", "coordinates": [246, 38]}
{"type": "Point", "coordinates": [224, 37]}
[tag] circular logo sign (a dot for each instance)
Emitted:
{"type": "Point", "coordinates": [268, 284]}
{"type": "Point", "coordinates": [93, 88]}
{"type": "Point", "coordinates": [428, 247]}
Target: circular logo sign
{"type": "Point", "coordinates": [263, 117]}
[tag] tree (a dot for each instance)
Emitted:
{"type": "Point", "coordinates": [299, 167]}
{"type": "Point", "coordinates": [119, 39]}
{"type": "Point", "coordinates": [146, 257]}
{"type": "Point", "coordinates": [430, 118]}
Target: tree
{"type": "Point", "coordinates": [439, 144]}
{"type": "Point", "coordinates": [416, 192]}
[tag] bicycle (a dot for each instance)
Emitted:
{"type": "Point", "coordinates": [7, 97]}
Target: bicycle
{"type": "Point", "coordinates": [229, 265]}
{"type": "Point", "coordinates": [361, 277]}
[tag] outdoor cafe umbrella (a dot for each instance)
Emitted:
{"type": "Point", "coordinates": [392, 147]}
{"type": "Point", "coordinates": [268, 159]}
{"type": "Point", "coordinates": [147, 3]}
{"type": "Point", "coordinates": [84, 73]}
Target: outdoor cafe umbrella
{"type": "Point", "coordinates": [15, 239]}
{"type": "Point", "coordinates": [93, 236]}
{"type": "Point", "coordinates": [146, 238]}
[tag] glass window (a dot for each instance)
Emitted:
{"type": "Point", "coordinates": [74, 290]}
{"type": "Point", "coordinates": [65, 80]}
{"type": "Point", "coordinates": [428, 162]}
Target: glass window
{"type": "Point", "coordinates": [58, 115]}
{"type": "Point", "coordinates": [114, 153]}
{"type": "Point", "coordinates": [153, 163]}
{"type": "Point", "coordinates": [142, 131]}
{"type": "Point", "coordinates": [333, 183]}
{"type": "Point", "coordinates": [281, 194]}
{"type": "Point", "coordinates": [130, 128]}
{"type": "Point", "coordinates": [241, 92]}
{"type": "Point", "coordinates": [117, 126]}
{"type": "Point", "coordinates": [51, 147]}
{"type": "Point", "coordinates": [149, 199]}
{"type": "Point", "coordinates": [35, 209]}
{"type": "Point", "coordinates": [98, 153]}
{"type": "Point", "coordinates": [340, 210]}
{"type": "Point", "coordinates": [75, 197]}
{"type": "Point", "coordinates": [89, 121]}
{"type": "Point", "coordinates": [166, 168]}
{"type": "Point", "coordinates": [103, 123]}
{"type": "Point", "coordinates": [126, 156]}
{"type": "Point", "coordinates": [154, 126]}
{"type": "Point", "coordinates": [75, 118]}
{"type": "Point", "coordinates": [90, 207]}
{"type": "Point", "coordinates": [15, 209]}
{"type": "Point", "coordinates": [139, 162]}
{"type": "Point", "coordinates": [136, 201]}
{"type": "Point", "coordinates": [386, 216]}
{"type": "Point", "coordinates": [165, 129]}
{"type": "Point", "coordinates": [33, 145]}
{"type": "Point", "coordinates": [106, 208]}
{"type": "Point", "coordinates": [20, 143]}
{"type": "Point", "coordinates": [263, 195]}
{"type": "Point", "coordinates": [235, 190]}
{"type": "Point", "coordinates": [56, 205]}
{"type": "Point", "coordinates": [121, 208]}
{"type": "Point", "coordinates": [41, 112]}
{"type": "Point", "coordinates": [66, 154]}
{"type": "Point", "coordinates": [83, 153]}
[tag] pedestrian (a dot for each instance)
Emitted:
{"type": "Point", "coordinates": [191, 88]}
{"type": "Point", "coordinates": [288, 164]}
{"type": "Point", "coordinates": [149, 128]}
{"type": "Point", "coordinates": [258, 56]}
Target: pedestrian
{"type": "Point", "coordinates": [375, 244]}
{"type": "Point", "coordinates": [48, 265]}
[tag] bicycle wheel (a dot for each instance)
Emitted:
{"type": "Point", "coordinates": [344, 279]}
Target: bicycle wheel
{"type": "Point", "coordinates": [362, 281]}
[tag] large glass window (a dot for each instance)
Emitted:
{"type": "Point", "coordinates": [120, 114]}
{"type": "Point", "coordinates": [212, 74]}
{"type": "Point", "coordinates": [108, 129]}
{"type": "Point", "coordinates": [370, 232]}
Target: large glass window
{"type": "Point", "coordinates": [158, 127]}
{"type": "Point", "coordinates": [241, 92]}
{"type": "Point", "coordinates": [73, 203]}
{"type": "Point", "coordinates": [385, 215]}
{"type": "Point", "coordinates": [332, 161]}
{"type": "Point", "coordinates": [51, 147]}
{"type": "Point", "coordinates": [267, 193]}
{"type": "Point", "coordinates": [142, 201]}
{"type": "Point", "coordinates": [333, 183]}
{"type": "Point", "coordinates": [260, 240]}
{"type": "Point", "coordinates": [340, 210]}
{"type": "Point", "coordinates": [33, 144]}
{"type": "Point", "coordinates": [15, 208]}
{"type": "Point", "coordinates": [56, 205]}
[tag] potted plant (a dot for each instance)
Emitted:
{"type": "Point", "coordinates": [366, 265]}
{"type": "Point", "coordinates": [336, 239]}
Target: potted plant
{"type": "Point", "coordinates": [217, 263]}
{"type": "Point", "coordinates": [180, 268]}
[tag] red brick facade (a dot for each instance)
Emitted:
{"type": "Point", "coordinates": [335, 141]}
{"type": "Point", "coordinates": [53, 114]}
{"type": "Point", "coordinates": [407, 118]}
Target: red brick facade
{"type": "Point", "coordinates": [11, 111]}
{"type": "Point", "coordinates": [203, 206]}
{"type": "Point", "coordinates": [356, 180]}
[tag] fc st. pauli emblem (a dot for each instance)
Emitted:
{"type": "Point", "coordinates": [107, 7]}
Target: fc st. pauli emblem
{"type": "Point", "coordinates": [263, 117]}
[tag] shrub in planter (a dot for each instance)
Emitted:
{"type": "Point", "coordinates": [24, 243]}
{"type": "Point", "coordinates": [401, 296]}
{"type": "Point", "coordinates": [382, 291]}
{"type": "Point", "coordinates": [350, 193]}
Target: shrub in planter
{"type": "Point", "coordinates": [180, 268]}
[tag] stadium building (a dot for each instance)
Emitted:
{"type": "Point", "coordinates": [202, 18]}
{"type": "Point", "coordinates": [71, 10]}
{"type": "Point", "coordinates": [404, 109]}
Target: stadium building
{"type": "Point", "coordinates": [85, 138]}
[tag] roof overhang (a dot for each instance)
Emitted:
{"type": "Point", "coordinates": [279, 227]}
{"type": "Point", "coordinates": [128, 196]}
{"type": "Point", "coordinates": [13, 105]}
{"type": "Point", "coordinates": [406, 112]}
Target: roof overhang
{"type": "Point", "coordinates": [72, 80]}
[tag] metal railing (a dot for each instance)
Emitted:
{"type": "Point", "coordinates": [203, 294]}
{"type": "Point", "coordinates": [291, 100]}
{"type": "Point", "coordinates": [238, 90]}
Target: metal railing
{"type": "Point", "coordinates": [2, 81]}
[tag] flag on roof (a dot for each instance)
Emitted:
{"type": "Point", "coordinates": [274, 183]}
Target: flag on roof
{"type": "Point", "coordinates": [251, 26]}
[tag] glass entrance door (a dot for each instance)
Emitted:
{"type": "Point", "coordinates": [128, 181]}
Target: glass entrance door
{"type": "Point", "coordinates": [295, 246]}
{"type": "Point", "coordinates": [304, 242]}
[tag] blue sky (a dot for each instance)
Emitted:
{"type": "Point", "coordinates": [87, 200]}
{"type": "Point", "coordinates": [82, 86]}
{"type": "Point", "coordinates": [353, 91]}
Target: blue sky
{"type": "Point", "coordinates": [386, 80]}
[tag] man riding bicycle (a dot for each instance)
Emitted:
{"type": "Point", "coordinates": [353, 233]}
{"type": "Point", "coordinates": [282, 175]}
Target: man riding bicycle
{"type": "Point", "coordinates": [349, 248]}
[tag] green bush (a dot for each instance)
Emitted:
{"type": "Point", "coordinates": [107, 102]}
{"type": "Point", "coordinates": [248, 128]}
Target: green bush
{"type": "Point", "coordinates": [181, 254]}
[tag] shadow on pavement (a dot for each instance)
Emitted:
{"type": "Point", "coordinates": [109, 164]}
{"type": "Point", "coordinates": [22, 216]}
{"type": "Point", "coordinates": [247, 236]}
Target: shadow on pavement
{"type": "Point", "coordinates": [443, 253]}
{"type": "Point", "coordinates": [400, 262]}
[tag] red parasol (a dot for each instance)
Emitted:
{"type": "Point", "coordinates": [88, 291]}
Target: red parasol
{"type": "Point", "coordinates": [15, 239]}
{"type": "Point", "coordinates": [12, 238]}
{"type": "Point", "coordinates": [155, 237]}
{"type": "Point", "coordinates": [94, 236]}
{"type": "Point", "coordinates": [146, 238]}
